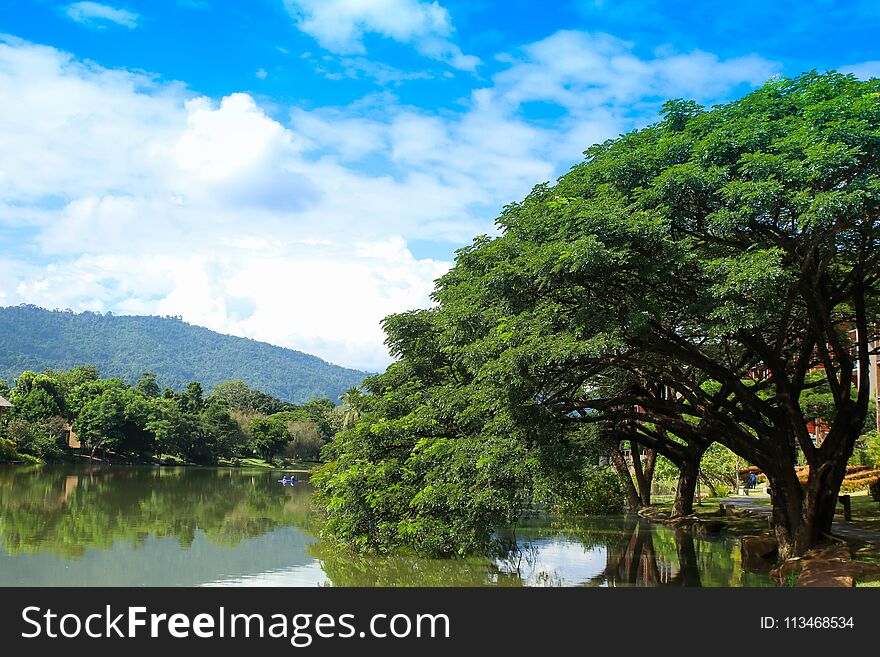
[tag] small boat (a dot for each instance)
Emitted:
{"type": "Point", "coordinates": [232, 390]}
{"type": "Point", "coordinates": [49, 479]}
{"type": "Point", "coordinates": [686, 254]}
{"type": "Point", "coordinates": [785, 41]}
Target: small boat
{"type": "Point", "coordinates": [284, 481]}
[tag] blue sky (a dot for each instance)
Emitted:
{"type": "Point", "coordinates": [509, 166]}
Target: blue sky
{"type": "Point", "coordinates": [294, 170]}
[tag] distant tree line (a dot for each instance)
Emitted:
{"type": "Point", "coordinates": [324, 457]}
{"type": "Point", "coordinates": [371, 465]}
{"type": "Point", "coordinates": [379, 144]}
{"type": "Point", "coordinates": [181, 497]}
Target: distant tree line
{"type": "Point", "coordinates": [109, 417]}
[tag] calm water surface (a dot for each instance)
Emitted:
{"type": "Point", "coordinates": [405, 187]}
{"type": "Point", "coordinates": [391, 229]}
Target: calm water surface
{"type": "Point", "coordinates": [143, 526]}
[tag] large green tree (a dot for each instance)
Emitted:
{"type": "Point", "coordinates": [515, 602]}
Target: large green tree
{"type": "Point", "coordinates": [681, 286]}
{"type": "Point", "coordinates": [269, 436]}
{"type": "Point", "coordinates": [685, 280]}
{"type": "Point", "coordinates": [435, 462]}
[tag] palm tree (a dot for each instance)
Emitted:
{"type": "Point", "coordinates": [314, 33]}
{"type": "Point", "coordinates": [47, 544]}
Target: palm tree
{"type": "Point", "coordinates": [351, 401]}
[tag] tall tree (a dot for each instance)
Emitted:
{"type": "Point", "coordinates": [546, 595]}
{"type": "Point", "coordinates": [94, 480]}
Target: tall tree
{"type": "Point", "coordinates": [718, 256]}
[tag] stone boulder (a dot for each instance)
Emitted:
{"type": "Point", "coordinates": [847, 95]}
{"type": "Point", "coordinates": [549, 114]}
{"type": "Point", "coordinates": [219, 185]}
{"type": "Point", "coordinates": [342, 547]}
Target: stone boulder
{"type": "Point", "coordinates": [829, 566]}
{"type": "Point", "coordinates": [758, 552]}
{"type": "Point", "coordinates": [763, 547]}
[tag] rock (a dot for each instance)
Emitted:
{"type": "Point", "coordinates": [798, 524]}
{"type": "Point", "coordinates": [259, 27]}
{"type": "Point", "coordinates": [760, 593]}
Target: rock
{"type": "Point", "coordinates": [712, 526]}
{"type": "Point", "coordinates": [830, 565]}
{"type": "Point", "coordinates": [818, 572]}
{"type": "Point", "coordinates": [762, 547]}
{"type": "Point", "coordinates": [758, 552]}
{"type": "Point", "coordinates": [791, 567]}
{"type": "Point", "coordinates": [839, 553]}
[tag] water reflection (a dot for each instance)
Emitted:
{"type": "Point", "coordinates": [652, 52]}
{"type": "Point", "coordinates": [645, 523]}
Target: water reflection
{"type": "Point", "coordinates": [131, 526]}
{"type": "Point", "coordinates": [67, 511]}
{"type": "Point", "coordinates": [637, 562]}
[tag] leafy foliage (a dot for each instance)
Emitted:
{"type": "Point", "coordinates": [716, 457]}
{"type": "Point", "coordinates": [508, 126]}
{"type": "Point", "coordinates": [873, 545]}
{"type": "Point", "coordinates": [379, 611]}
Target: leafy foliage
{"type": "Point", "coordinates": [109, 416]}
{"type": "Point", "coordinates": [428, 465]}
{"type": "Point", "coordinates": [306, 441]}
{"type": "Point", "coordinates": [677, 287]}
{"type": "Point", "coordinates": [874, 490]}
{"type": "Point", "coordinates": [7, 450]}
{"type": "Point", "coordinates": [269, 436]}
{"type": "Point", "coordinates": [872, 448]}
{"type": "Point", "coordinates": [595, 491]}
{"type": "Point", "coordinates": [42, 439]}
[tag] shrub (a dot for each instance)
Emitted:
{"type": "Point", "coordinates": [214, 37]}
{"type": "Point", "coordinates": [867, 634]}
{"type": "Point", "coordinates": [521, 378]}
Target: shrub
{"type": "Point", "coordinates": [855, 485]}
{"type": "Point", "coordinates": [7, 450]}
{"type": "Point", "coordinates": [45, 444]}
{"type": "Point", "coordinates": [306, 441]}
{"type": "Point", "coordinates": [595, 491]}
{"type": "Point", "coordinates": [42, 440]}
{"type": "Point", "coordinates": [874, 489]}
{"type": "Point", "coordinates": [872, 449]}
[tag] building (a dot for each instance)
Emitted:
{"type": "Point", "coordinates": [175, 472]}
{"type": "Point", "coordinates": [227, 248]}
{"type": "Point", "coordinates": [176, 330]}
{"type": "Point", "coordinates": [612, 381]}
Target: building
{"type": "Point", "coordinates": [4, 405]}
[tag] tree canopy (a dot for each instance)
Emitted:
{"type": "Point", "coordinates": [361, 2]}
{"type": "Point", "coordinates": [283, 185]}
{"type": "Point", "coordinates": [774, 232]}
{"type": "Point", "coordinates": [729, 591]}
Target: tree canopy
{"type": "Point", "coordinates": [108, 416]}
{"type": "Point", "coordinates": [686, 284]}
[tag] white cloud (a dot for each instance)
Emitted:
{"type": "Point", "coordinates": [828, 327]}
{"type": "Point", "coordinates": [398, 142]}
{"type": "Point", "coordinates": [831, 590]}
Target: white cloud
{"type": "Point", "coordinates": [135, 196]}
{"type": "Point", "coordinates": [579, 70]}
{"type": "Point", "coordinates": [340, 26]}
{"type": "Point", "coordinates": [360, 67]}
{"type": "Point", "coordinates": [98, 15]}
{"type": "Point", "coordinates": [222, 144]}
{"type": "Point", "coordinates": [863, 70]}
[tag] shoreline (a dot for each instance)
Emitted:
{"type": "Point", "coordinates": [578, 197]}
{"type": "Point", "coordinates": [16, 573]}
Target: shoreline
{"type": "Point", "coordinates": [83, 460]}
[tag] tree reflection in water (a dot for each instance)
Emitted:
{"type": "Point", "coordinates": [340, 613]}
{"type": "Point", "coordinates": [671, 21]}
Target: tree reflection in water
{"type": "Point", "coordinates": [66, 511]}
{"type": "Point", "coordinates": [635, 561]}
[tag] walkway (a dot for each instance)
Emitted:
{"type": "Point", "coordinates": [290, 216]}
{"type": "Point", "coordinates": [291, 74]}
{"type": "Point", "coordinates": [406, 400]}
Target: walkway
{"type": "Point", "coordinates": [842, 529]}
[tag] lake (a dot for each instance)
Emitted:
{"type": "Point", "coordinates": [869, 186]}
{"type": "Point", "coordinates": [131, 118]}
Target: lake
{"type": "Point", "coordinates": [151, 526]}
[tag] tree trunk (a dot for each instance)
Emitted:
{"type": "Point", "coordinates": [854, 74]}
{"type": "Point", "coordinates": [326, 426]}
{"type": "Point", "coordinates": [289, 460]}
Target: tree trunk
{"type": "Point", "coordinates": [708, 482]}
{"type": "Point", "coordinates": [650, 461]}
{"type": "Point", "coordinates": [688, 566]}
{"type": "Point", "coordinates": [688, 474]}
{"type": "Point", "coordinates": [643, 475]}
{"type": "Point", "coordinates": [633, 501]}
{"type": "Point", "coordinates": [789, 524]}
{"type": "Point", "coordinates": [803, 513]}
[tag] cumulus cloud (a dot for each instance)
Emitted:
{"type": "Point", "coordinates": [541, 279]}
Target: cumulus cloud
{"type": "Point", "coordinates": [99, 15]}
{"type": "Point", "coordinates": [602, 87]}
{"type": "Point", "coordinates": [340, 26]}
{"type": "Point", "coordinates": [135, 197]}
{"type": "Point", "coordinates": [119, 192]}
{"type": "Point", "coordinates": [581, 69]}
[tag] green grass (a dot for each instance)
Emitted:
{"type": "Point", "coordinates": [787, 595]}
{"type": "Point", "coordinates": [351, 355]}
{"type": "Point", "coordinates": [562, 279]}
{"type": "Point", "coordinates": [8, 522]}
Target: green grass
{"type": "Point", "coordinates": [265, 465]}
{"type": "Point", "coordinates": [865, 512]}
{"type": "Point", "coordinates": [29, 459]}
{"type": "Point", "coordinates": [738, 525]}
{"type": "Point", "coordinates": [708, 506]}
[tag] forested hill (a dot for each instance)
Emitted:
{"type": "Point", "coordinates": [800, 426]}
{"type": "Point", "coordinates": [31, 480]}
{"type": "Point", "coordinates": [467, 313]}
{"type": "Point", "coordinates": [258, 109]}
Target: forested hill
{"type": "Point", "coordinates": [32, 338]}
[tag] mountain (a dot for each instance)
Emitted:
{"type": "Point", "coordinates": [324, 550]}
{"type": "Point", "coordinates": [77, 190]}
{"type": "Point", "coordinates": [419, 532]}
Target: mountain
{"type": "Point", "coordinates": [32, 338]}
